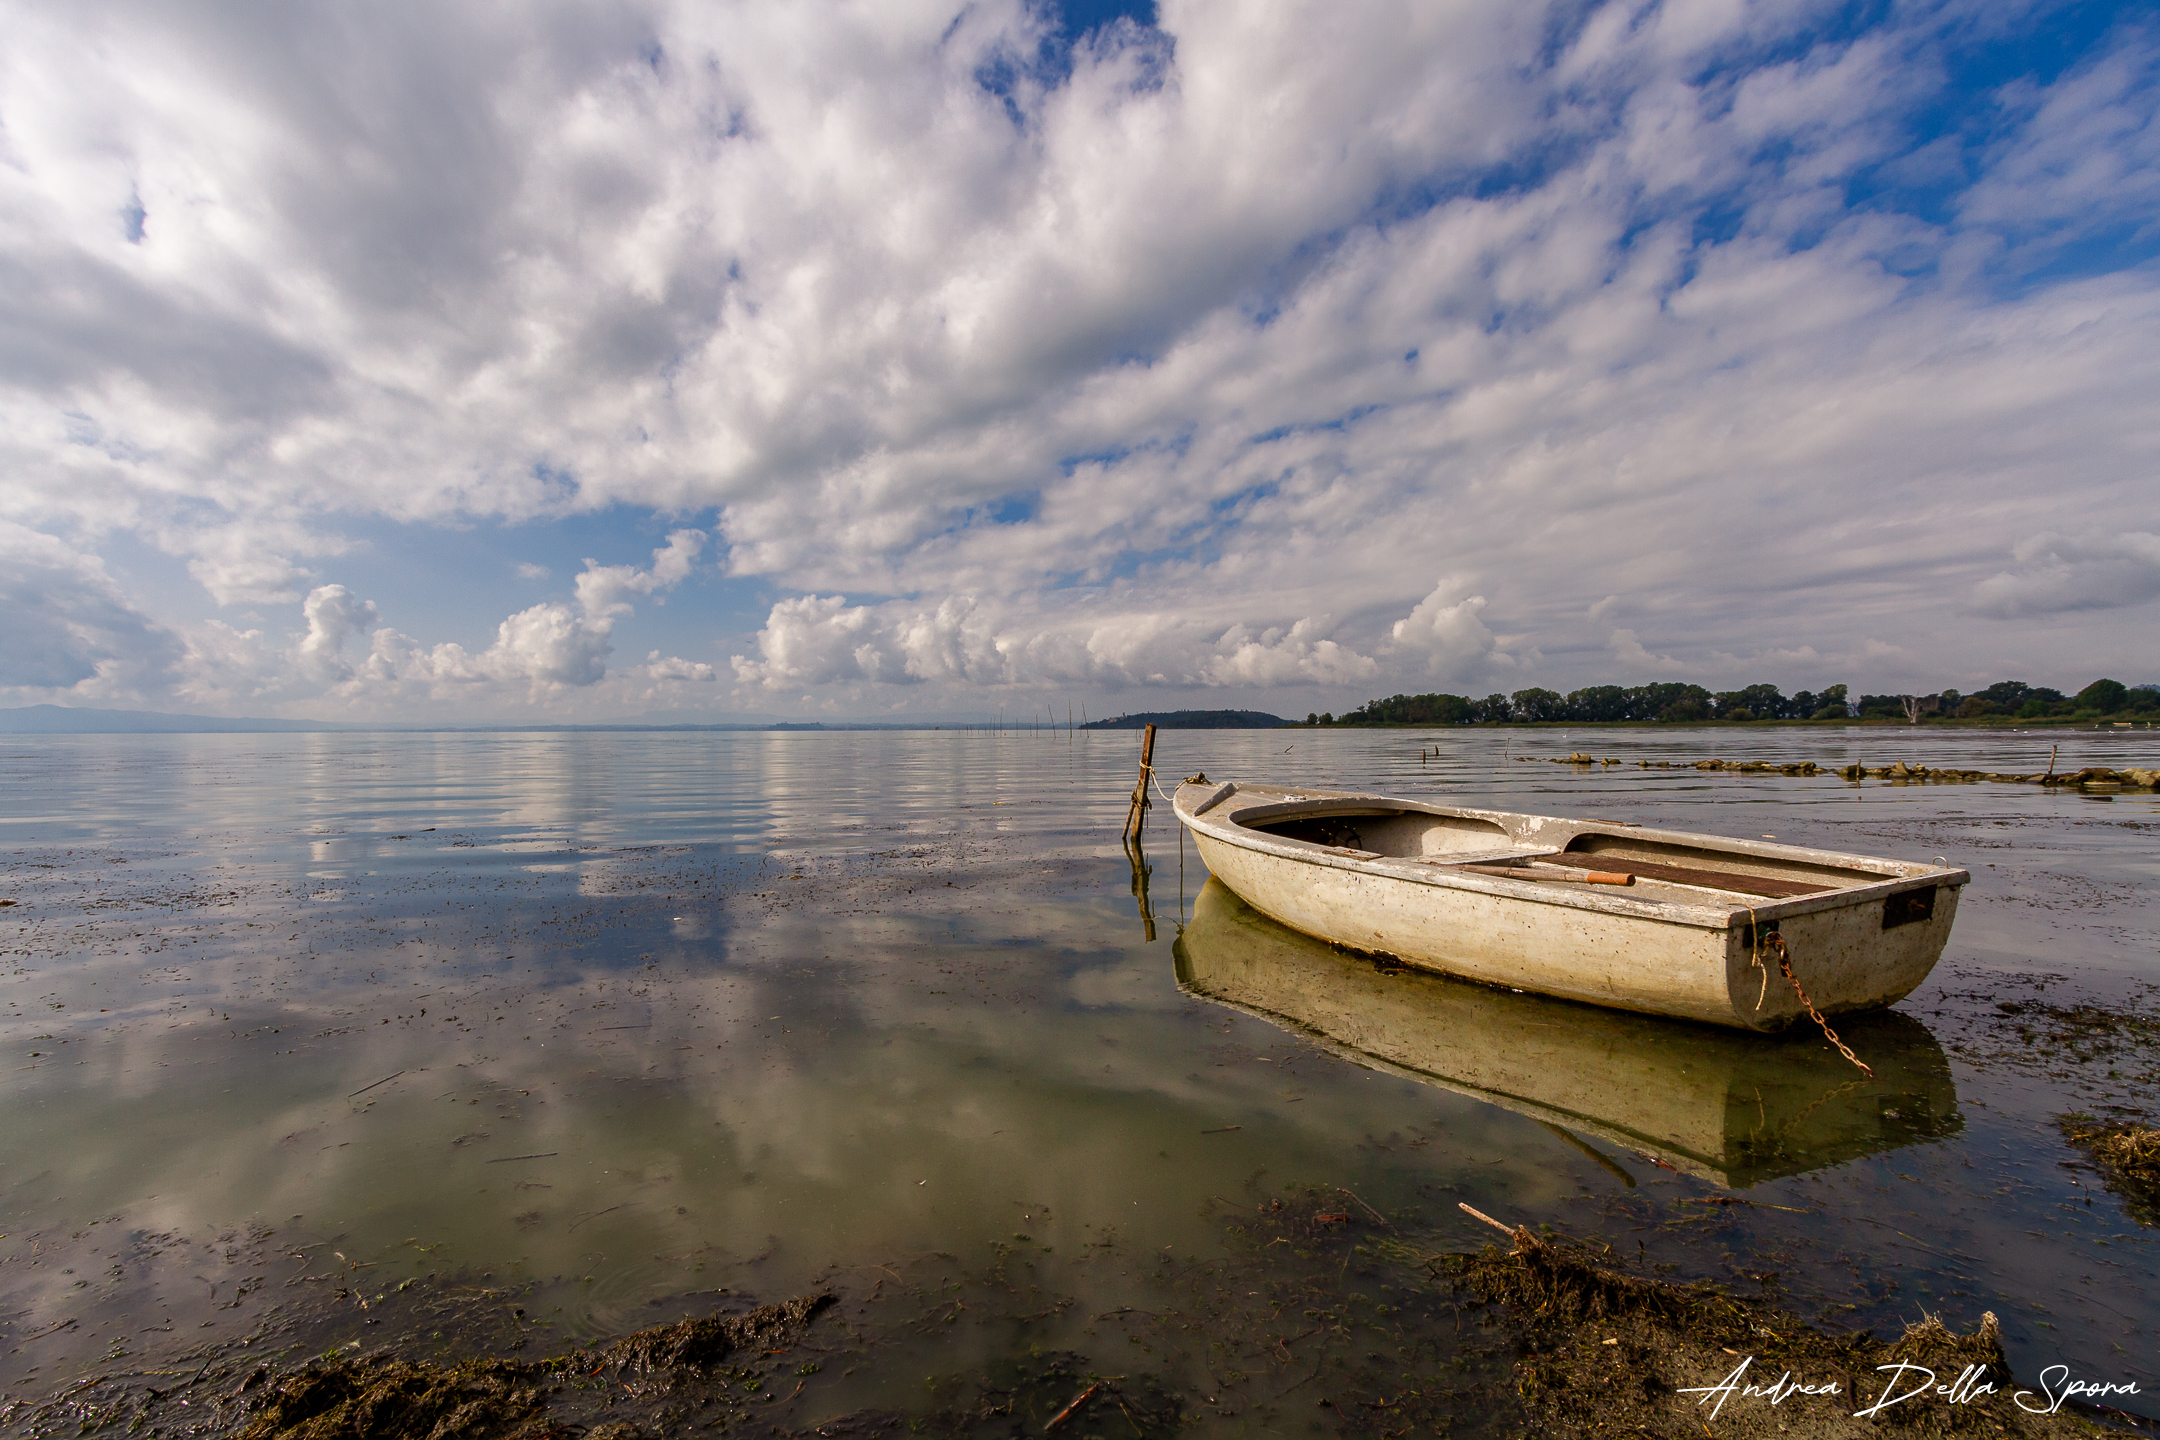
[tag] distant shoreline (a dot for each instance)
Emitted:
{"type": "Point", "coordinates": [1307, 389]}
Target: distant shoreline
{"type": "Point", "coordinates": [55, 720]}
{"type": "Point", "coordinates": [1872, 722]}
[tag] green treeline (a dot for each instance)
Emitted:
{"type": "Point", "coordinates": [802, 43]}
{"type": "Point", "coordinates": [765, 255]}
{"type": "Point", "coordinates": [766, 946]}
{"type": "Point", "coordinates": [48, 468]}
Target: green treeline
{"type": "Point", "coordinates": [1674, 703]}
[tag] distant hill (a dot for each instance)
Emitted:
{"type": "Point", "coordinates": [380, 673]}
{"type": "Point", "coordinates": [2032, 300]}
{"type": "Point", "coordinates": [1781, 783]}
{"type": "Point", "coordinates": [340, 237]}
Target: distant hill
{"type": "Point", "coordinates": [70, 720]}
{"type": "Point", "coordinates": [1193, 720]}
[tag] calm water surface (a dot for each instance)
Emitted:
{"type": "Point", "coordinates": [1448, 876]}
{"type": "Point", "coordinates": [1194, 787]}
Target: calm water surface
{"type": "Point", "coordinates": [617, 1017]}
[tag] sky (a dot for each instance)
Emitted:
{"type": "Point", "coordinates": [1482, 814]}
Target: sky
{"type": "Point", "coordinates": [918, 358]}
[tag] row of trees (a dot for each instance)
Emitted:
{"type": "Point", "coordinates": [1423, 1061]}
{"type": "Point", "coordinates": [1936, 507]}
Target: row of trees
{"type": "Point", "coordinates": [2017, 700]}
{"type": "Point", "coordinates": [1674, 703]}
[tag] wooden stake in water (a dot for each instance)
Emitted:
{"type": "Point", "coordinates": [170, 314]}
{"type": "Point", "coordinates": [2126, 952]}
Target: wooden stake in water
{"type": "Point", "coordinates": [1140, 872]}
{"type": "Point", "coordinates": [1136, 813]}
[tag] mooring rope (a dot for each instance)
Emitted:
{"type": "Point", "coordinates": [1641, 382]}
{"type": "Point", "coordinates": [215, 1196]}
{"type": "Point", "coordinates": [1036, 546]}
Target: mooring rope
{"type": "Point", "coordinates": [1754, 931]}
{"type": "Point", "coordinates": [1158, 787]}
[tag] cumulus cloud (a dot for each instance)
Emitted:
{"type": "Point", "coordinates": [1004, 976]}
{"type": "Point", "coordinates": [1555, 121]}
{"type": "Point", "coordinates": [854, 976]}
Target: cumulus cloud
{"type": "Point", "coordinates": [1125, 363]}
{"type": "Point", "coordinates": [547, 644]}
{"type": "Point", "coordinates": [333, 614]}
{"type": "Point", "coordinates": [1298, 655]}
{"type": "Point", "coordinates": [819, 640]}
{"type": "Point", "coordinates": [822, 640]}
{"type": "Point", "coordinates": [551, 644]}
{"type": "Point", "coordinates": [605, 591]}
{"type": "Point", "coordinates": [2058, 574]}
{"type": "Point", "coordinates": [1445, 631]}
{"type": "Point", "coordinates": [344, 655]}
{"type": "Point", "coordinates": [674, 667]}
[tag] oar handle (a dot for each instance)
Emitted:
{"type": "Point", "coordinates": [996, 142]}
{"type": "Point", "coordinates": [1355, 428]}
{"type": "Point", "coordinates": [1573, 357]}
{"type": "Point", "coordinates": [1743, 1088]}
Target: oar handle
{"type": "Point", "coordinates": [1536, 870]}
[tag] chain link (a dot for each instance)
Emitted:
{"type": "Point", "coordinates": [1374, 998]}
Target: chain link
{"type": "Point", "coordinates": [1774, 943]}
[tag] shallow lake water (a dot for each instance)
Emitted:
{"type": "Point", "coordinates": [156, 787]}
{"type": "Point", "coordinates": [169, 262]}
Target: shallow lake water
{"type": "Point", "coordinates": [599, 1022]}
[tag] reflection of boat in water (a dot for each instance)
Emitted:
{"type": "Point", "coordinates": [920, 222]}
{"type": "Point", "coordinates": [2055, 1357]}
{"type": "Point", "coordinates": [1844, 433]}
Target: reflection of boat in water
{"type": "Point", "coordinates": [1666, 922]}
{"type": "Point", "coordinates": [1731, 1107]}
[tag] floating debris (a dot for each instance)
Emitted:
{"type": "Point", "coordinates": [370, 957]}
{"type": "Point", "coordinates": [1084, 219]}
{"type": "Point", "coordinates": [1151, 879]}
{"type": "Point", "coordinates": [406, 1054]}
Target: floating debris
{"type": "Point", "coordinates": [2091, 777]}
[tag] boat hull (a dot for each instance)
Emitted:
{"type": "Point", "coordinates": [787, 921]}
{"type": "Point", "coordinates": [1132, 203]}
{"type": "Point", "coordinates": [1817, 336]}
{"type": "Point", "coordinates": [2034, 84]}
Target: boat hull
{"type": "Point", "coordinates": [1733, 1108]}
{"type": "Point", "coordinates": [1679, 951]}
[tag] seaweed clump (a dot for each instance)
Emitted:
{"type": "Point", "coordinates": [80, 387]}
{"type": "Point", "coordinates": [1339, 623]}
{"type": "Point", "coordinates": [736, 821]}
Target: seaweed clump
{"type": "Point", "coordinates": [1604, 1353]}
{"type": "Point", "coordinates": [1553, 1285]}
{"type": "Point", "coordinates": [381, 1397]}
{"type": "Point", "coordinates": [700, 1344]}
{"type": "Point", "coordinates": [377, 1397]}
{"type": "Point", "coordinates": [2129, 1160]}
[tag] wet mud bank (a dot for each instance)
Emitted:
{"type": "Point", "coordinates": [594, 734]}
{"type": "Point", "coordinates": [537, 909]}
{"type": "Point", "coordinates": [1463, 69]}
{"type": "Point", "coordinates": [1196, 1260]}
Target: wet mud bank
{"type": "Point", "coordinates": [694, 1363]}
{"type": "Point", "coordinates": [1318, 1314]}
{"type": "Point", "coordinates": [710, 1370]}
{"type": "Point", "coordinates": [1316, 1308]}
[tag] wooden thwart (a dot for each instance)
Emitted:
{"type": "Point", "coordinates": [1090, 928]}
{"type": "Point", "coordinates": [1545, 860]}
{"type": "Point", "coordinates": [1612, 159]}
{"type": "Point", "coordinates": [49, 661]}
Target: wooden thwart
{"type": "Point", "coordinates": [1717, 879]}
{"type": "Point", "coordinates": [1626, 872]}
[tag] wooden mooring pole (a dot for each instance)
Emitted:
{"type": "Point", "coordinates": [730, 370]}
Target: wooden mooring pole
{"type": "Point", "coordinates": [1136, 813]}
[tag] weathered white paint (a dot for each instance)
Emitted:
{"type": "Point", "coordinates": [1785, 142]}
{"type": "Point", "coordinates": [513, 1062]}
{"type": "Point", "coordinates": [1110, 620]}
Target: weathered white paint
{"type": "Point", "coordinates": [1655, 946]}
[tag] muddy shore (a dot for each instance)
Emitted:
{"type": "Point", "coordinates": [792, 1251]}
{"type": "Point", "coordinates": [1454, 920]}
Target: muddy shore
{"type": "Point", "coordinates": [1358, 1330]}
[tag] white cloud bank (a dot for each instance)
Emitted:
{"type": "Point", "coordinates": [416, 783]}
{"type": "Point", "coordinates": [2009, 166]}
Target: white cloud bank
{"type": "Point", "coordinates": [822, 640]}
{"type": "Point", "coordinates": [539, 654]}
{"type": "Point", "coordinates": [1188, 365]}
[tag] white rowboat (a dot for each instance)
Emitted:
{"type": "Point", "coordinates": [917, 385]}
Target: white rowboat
{"type": "Point", "coordinates": [1659, 921]}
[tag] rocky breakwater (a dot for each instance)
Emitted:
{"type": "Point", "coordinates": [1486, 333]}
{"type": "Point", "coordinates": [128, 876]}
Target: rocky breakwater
{"type": "Point", "coordinates": [2092, 777]}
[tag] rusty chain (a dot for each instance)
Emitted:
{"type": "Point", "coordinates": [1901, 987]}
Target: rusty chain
{"type": "Point", "coordinates": [1774, 943]}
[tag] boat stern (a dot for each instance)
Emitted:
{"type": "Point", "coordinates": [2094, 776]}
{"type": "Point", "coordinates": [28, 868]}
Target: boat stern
{"type": "Point", "coordinates": [1866, 953]}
